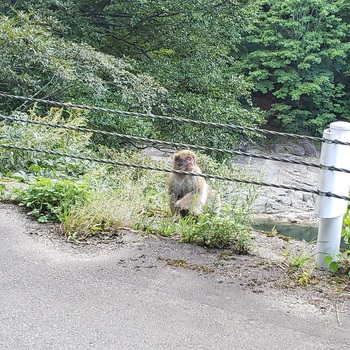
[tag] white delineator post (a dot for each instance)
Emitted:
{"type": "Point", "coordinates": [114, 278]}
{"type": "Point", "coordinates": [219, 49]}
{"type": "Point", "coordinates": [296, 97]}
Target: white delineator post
{"type": "Point", "coordinates": [331, 210]}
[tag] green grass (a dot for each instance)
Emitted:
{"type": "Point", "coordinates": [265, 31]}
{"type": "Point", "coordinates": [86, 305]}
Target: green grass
{"type": "Point", "coordinates": [88, 198]}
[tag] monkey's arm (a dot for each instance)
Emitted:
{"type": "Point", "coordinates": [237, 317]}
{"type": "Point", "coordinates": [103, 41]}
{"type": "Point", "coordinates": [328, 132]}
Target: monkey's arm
{"type": "Point", "coordinates": [188, 204]}
{"type": "Point", "coordinates": [194, 200]}
{"type": "Point", "coordinates": [186, 201]}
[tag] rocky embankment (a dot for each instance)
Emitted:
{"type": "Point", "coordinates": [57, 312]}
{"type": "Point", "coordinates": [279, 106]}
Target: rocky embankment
{"type": "Point", "coordinates": [278, 204]}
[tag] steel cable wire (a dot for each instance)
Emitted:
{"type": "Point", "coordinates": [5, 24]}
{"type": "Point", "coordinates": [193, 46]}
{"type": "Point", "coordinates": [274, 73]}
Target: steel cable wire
{"type": "Point", "coordinates": [175, 144]}
{"type": "Point", "coordinates": [177, 119]}
{"type": "Point", "coordinates": [168, 170]}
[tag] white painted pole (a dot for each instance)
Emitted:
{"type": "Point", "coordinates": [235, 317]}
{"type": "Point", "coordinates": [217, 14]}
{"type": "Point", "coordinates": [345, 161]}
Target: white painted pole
{"type": "Point", "coordinates": [330, 210]}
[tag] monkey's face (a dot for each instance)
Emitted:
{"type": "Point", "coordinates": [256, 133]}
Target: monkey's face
{"type": "Point", "coordinates": [185, 161]}
{"type": "Point", "coordinates": [190, 163]}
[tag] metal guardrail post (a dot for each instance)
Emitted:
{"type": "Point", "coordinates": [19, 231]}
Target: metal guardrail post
{"type": "Point", "coordinates": [331, 210]}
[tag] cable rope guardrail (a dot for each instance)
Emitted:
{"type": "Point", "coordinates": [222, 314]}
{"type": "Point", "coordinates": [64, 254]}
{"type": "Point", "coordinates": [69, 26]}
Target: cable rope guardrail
{"type": "Point", "coordinates": [177, 119]}
{"type": "Point", "coordinates": [168, 170]}
{"type": "Point", "coordinates": [174, 144]}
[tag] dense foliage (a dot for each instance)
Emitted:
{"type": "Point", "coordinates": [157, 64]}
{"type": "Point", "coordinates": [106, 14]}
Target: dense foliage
{"type": "Point", "coordinates": [36, 63]}
{"type": "Point", "coordinates": [297, 59]}
{"type": "Point", "coordinates": [340, 263]}
{"type": "Point", "coordinates": [164, 57]}
{"type": "Point", "coordinates": [200, 60]}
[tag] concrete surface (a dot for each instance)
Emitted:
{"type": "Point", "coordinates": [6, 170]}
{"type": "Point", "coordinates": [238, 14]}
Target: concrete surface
{"type": "Point", "coordinates": [52, 297]}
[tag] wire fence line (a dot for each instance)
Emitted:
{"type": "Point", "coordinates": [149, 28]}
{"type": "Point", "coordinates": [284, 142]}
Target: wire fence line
{"type": "Point", "coordinates": [169, 170]}
{"type": "Point", "coordinates": [177, 119]}
{"type": "Point", "coordinates": [174, 144]}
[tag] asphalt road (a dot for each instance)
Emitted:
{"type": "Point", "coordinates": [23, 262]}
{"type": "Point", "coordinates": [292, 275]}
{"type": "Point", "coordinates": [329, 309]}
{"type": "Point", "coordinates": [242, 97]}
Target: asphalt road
{"type": "Point", "coordinates": [126, 298]}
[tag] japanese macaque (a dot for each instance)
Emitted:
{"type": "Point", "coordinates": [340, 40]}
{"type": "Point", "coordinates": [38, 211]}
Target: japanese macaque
{"type": "Point", "coordinates": [189, 194]}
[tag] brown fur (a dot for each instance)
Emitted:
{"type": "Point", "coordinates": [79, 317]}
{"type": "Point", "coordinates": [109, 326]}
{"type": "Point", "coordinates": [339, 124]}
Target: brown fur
{"type": "Point", "coordinates": [188, 194]}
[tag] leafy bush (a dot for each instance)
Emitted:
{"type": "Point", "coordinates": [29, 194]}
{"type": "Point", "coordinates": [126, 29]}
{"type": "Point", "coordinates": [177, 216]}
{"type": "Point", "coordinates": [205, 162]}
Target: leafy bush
{"type": "Point", "coordinates": [119, 197]}
{"type": "Point", "coordinates": [2, 190]}
{"type": "Point", "coordinates": [216, 231]}
{"type": "Point", "coordinates": [25, 163]}
{"type": "Point", "coordinates": [36, 62]}
{"type": "Point", "coordinates": [53, 199]}
{"type": "Point", "coordinates": [346, 230]}
{"type": "Point", "coordinates": [341, 262]}
{"type": "Point", "coordinates": [101, 213]}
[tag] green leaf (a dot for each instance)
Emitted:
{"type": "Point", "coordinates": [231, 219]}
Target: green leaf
{"type": "Point", "coordinates": [328, 259]}
{"type": "Point", "coordinates": [35, 168]}
{"type": "Point", "coordinates": [333, 266]}
{"type": "Point", "coordinates": [42, 219]}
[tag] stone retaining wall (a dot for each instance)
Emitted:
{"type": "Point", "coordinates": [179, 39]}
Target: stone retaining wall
{"type": "Point", "coordinates": [279, 204]}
